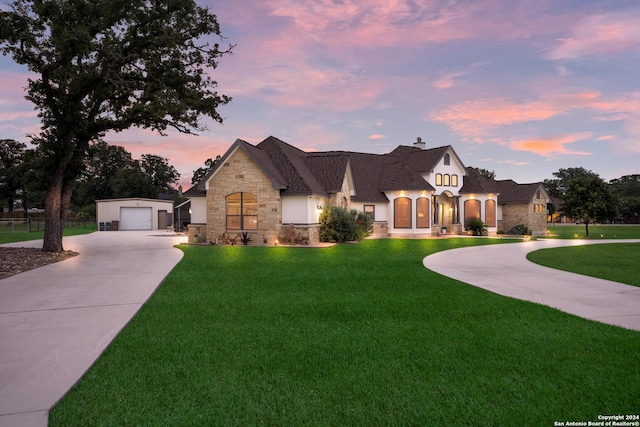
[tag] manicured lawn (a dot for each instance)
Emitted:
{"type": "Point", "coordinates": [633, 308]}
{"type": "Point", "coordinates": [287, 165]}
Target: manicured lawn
{"type": "Point", "coordinates": [571, 231]}
{"type": "Point", "coordinates": [23, 236]}
{"type": "Point", "coordinates": [350, 335]}
{"type": "Point", "coordinates": [619, 262]}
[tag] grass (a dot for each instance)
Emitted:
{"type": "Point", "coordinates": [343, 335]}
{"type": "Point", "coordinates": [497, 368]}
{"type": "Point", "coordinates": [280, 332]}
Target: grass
{"type": "Point", "coordinates": [571, 231]}
{"type": "Point", "coordinates": [21, 236]}
{"type": "Point", "coordinates": [350, 335]}
{"type": "Point", "coordinates": [618, 262]}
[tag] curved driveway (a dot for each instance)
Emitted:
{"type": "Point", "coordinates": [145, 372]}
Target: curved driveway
{"type": "Point", "coordinates": [56, 320]}
{"type": "Point", "coordinates": [504, 269]}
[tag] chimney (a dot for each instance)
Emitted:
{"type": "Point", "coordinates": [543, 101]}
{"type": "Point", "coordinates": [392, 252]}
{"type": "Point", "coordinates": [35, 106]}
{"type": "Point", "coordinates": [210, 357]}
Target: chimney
{"type": "Point", "coordinates": [420, 144]}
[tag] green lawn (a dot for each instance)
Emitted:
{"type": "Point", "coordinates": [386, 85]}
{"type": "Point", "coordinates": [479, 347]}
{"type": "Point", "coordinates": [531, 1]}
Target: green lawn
{"type": "Point", "coordinates": [571, 231]}
{"type": "Point", "coordinates": [22, 236]}
{"type": "Point", "coordinates": [350, 335]}
{"type": "Point", "coordinates": [619, 261]}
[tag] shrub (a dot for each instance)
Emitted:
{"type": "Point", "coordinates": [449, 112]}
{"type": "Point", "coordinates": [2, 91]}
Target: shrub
{"type": "Point", "coordinates": [477, 227]}
{"type": "Point", "coordinates": [520, 230]}
{"type": "Point", "coordinates": [339, 225]}
{"type": "Point", "coordinates": [364, 224]}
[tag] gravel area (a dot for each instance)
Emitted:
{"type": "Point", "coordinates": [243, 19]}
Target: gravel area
{"type": "Point", "coordinates": [19, 260]}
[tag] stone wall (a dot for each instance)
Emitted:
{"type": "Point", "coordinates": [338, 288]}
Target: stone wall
{"type": "Point", "coordinates": [343, 197]}
{"type": "Point", "coordinates": [534, 216]}
{"type": "Point", "coordinates": [241, 174]}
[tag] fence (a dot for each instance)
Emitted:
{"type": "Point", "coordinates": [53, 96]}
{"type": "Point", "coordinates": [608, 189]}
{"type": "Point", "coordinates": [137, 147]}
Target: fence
{"type": "Point", "coordinates": [37, 224]}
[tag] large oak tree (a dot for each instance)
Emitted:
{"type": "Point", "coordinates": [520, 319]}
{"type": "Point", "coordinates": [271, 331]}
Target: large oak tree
{"type": "Point", "coordinates": [108, 65]}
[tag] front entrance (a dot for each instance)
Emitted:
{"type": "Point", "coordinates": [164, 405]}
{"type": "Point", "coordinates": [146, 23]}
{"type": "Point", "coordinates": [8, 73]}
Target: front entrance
{"type": "Point", "coordinates": [446, 211]}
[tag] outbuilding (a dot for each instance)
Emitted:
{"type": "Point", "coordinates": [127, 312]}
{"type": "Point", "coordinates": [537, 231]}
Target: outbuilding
{"type": "Point", "coordinates": [134, 214]}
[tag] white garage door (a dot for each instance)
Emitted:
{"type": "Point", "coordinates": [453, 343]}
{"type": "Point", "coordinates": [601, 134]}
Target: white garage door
{"type": "Point", "coordinates": [136, 219]}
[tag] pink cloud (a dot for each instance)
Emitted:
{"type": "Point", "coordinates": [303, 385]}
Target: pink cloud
{"type": "Point", "coordinates": [377, 136]}
{"type": "Point", "coordinates": [552, 146]}
{"type": "Point", "coordinates": [474, 119]}
{"type": "Point", "coordinates": [600, 34]}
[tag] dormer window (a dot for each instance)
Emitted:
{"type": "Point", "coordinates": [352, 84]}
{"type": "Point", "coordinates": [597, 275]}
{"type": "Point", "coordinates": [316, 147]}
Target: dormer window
{"type": "Point", "coordinates": [447, 159]}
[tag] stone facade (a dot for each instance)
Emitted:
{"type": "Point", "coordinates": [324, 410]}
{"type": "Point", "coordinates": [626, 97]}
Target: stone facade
{"type": "Point", "coordinates": [241, 174]}
{"type": "Point", "coordinates": [532, 215]}
{"type": "Point", "coordinates": [343, 197]}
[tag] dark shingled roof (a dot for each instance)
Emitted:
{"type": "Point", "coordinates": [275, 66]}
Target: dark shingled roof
{"type": "Point", "coordinates": [473, 182]}
{"type": "Point", "coordinates": [194, 192]}
{"type": "Point", "coordinates": [512, 192]}
{"type": "Point", "coordinates": [300, 173]}
{"type": "Point", "coordinates": [328, 168]}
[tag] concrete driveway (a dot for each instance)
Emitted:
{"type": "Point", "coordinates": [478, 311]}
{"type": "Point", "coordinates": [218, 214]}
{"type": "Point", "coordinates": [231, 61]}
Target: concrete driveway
{"type": "Point", "coordinates": [56, 320]}
{"type": "Point", "coordinates": [505, 270]}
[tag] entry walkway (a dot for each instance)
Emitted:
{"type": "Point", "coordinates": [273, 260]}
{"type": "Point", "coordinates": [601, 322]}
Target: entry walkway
{"type": "Point", "coordinates": [56, 320]}
{"type": "Point", "coordinates": [504, 269]}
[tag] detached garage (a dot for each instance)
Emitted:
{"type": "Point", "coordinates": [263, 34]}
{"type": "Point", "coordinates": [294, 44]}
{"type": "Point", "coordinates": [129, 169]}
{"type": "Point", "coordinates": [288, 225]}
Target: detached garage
{"type": "Point", "coordinates": [134, 214]}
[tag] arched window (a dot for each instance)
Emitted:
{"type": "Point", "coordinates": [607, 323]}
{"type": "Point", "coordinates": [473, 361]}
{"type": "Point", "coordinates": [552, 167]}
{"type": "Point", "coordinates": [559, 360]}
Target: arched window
{"type": "Point", "coordinates": [471, 210]}
{"type": "Point", "coordinates": [242, 211]}
{"type": "Point", "coordinates": [454, 180]}
{"type": "Point", "coordinates": [402, 212]}
{"type": "Point", "coordinates": [422, 212]}
{"type": "Point", "coordinates": [438, 179]}
{"type": "Point", "coordinates": [447, 159]}
{"type": "Point", "coordinates": [447, 180]}
{"type": "Point", "coordinates": [490, 213]}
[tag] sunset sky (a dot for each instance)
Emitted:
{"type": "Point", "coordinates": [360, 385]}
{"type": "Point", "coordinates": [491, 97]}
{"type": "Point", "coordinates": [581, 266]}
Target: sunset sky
{"type": "Point", "coordinates": [520, 87]}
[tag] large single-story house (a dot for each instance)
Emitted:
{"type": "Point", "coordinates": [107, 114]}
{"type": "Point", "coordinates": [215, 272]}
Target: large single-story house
{"type": "Point", "coordinates": [413, 191]}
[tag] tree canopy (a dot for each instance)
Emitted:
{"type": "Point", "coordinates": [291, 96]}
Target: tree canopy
{"type": "Point", "coordinates": [588, 199]}
{"type": "Point", "coordinates": [108, 65]}
{"type": "Point", "coordinates": [201, 172]}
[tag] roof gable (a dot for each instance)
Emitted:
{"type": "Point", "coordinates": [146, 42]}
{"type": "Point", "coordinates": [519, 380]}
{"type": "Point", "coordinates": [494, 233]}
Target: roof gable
{"type": "Point", "coordinates": [512, 192]}
{"type": "Point", "coordinates": [258, 156]}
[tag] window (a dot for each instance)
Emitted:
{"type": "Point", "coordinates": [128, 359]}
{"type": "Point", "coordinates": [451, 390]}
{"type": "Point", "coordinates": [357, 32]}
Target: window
{"type": "Point", "coordinates": [471, 210]}
{"type": "Point", "coordinates": [447, 159]}
{"type": "Point", "coordinates": [371, 211]}
{"type": "Point", "coordinates": [490, 213]}
{"type": "Point", "coordinates": [438, 179]}
{"type": "Point", "coordinates": [402, 212]}
{"type": "Point", "coordinates": [422, 212]}
{"type": "Point", "coordinates": [454, 180]}
{"type": "Point", "coordinates": [242, 211]}
{"type": "Point", "coordinates": [447, 180]}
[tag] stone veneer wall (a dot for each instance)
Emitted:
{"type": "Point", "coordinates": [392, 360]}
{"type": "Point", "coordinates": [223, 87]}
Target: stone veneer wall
{"type": "Point", "coordinates": [241, 174]}
{"type": "Point", "coordinates": [336, 199]}
{"type": "Point", "coordinates": [516, 214]}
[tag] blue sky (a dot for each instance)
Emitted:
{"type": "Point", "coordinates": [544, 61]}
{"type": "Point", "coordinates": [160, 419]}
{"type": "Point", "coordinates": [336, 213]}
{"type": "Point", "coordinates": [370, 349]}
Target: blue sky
{"type": "Point", "coordinates": [520, 87]}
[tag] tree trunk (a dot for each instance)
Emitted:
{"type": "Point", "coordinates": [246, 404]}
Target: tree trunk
{"type": "Point", "coordinates": [586, 228]}
{"type": "Point", "coordinates": [53, 223]}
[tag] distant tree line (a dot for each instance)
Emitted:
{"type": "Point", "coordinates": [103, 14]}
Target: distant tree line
{"type": "Point", "coordinates": [109, 172]}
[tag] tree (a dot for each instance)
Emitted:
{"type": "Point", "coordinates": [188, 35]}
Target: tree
{"type": "Point", "coordinates": [11, 172]}
{"type": "Point", "coordinates": [200, 173]}
{"type": "Point", "coordinates": [588, 199]}
{"type": "Point", "coordinates": [558, 186]}
{"type": "Point", "coordinates": [159, 172]}
{"type": "Point", "coordinates": [486, 173]}
{"type": "Point", "coordinates": [146, 177]}
{"type": "Point", "coordinates": [627, 188]}
{"type": "Point", "coordinates": [108, 65]}
{"type": "Point", "coordinates": [101, 165]}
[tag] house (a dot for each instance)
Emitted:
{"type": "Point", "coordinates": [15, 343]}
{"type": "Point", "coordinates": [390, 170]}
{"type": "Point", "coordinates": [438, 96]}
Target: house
{"type": "Point", "coordinates": [410, 192]}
